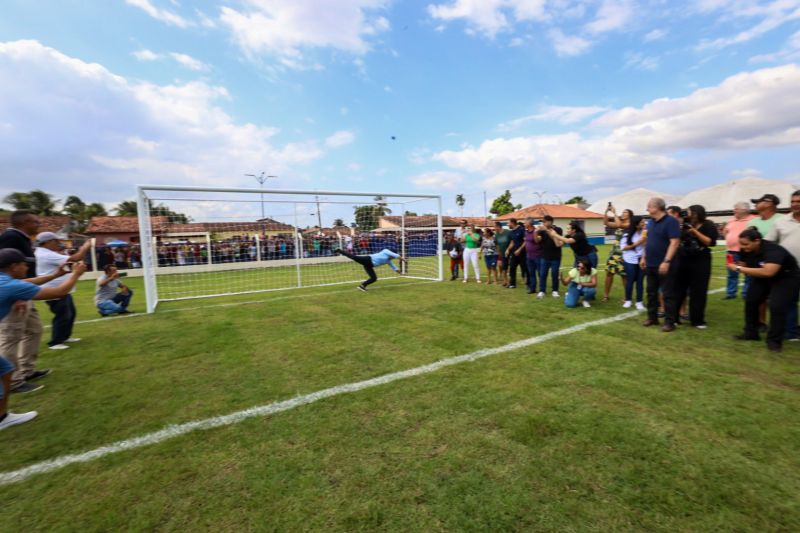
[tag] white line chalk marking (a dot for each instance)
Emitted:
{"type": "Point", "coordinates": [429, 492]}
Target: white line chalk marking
{"type": "Point", "coordinates": [169, 432]}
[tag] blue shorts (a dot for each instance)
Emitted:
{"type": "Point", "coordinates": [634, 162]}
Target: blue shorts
{"type": "Point", "coordinates": [5, 368]}
{"type": "Point", "coordinates": [491, 261]}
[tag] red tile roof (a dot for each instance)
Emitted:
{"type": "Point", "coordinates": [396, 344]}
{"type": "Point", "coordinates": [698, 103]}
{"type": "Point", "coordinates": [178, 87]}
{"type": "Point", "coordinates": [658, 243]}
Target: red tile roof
{"type": "Point", "coordinates": [554, 210]}
{"type": "Point", "coordinates": [161, 224]}
{"type": "Point", "coordinates": [54, 223]}
{"type": "Point", "coordinates": [126, 224]}
{"type": "Point", "coordinates": [428, 221]}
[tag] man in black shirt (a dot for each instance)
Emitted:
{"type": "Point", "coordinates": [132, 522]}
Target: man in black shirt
{"type": "Point", "coordinates": [551, 255]}
{"type": "Point", "coordinates": [20, 333]}
{"type": "Point", "coordinates": [515, 254]}
{"type": "Point", "coordinates": [775, 277]}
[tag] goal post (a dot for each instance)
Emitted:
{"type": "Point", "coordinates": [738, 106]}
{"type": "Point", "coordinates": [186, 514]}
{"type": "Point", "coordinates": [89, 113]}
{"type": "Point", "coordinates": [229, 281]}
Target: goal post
{"type": "Point", "coordinates": [202, 242]}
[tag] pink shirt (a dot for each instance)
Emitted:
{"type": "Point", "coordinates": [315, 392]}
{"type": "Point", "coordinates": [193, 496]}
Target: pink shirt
{"type": "Point", "coordinates": [732, 230]}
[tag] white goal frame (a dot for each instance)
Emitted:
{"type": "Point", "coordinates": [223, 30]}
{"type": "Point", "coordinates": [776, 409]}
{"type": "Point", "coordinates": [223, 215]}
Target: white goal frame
{"type": "Point", "coordinates": [147, 240]}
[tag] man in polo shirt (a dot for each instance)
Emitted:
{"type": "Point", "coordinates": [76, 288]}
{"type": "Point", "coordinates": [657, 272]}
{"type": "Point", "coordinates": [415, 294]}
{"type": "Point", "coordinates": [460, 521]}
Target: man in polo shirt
{"type": "Point", "coordinates": [786, 232]}
{"type": "Point", "coordinates": [767, 207]}
{"type": "Point", "coordinates": [739, 222]}
{"type": "Point", "coordinates": [22, 332]}
{"type": "Point", "coordinates": [49, 259]}
{"type": "Point", "coordinates": [663, 238]}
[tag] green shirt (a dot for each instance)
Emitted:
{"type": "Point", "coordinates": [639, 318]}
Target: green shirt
{"type": "Point", "coordinates": [763, 226]}
{"type": "Point", "coordinates": [574, 276]}
{"type": "Point", "coordinates": [470, 241]}
{"type": "Point", "coordinates": [503, 239]}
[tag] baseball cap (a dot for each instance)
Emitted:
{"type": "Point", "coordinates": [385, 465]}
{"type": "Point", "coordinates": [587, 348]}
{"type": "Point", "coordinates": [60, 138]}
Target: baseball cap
{"type": "Point", "coordinates": [46, 236]}
{"type": "Point", "coordinates": [10, 256]}
{"type": "Point", "coordinates": [766, 198]}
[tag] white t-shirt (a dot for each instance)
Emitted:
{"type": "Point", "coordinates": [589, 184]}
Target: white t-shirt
{"type": "Point", "coordinates": [635, 255]}
{"type": "Point", "coordinates": [47, 261]}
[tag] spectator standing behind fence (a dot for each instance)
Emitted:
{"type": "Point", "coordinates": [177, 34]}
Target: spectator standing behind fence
{"type": "Point", "coordinates": [633, 242]}
{"type": "Point", "coordinates": [48, 260]}
{"type": "Point", "coordinates": [698, 236]}
{"type": "Point", "coordinates": [550, 261]}
{"type": "Point", "coordinates": [733, 228]}
{"type": "Point", "coordinates": [22, 332]}
{"type": "Point", "coordinates": [786, 232]}
{"type": "Point", "coordinates": [775, 280]}
{"type": "Point", "coordinates": [614, 265]}
{"type": "Point", "coordinates": [111, 296]}
{"type": "Point", "coordinates": [502, 237]}
{"type": "Point", "coordinates": [581, 282]}
{"type": "Point", "coordinates": [472, 243]}
{"type": "Point", "coordinates": [660, 251]}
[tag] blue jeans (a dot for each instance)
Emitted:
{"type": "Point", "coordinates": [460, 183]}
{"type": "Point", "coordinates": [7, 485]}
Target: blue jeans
{"type": "Point", "coordinates": [533, 268]}
{"type": "Point", "coordinates": [552, 265]}
{"type": "Point", "coordinates": [633, 275]}
{"type": "Point", "coordinates": [791, 318]}
{"type": "Point", "coordinates": [5, 368]}
{"type": "Point", "coordinates": [574, 294]}
{"type": "Point", "coordinates": [733, 279]}
{"type": "Point", "coordinates": [592, 257]}
{"type": "Point", "coordinates": [117, 304]}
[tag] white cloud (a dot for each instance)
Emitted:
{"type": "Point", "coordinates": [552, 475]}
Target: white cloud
{"type": "Point", "coordinates": [79, 128]}
{"type": "Point", "coordinates": [287, 29]}
{"type": "Point", "coordinates": [340, 138]}
{"type": "Point", "coordinates": [790, 52]}
{"type": "Point", "coordinates": [163, 15]}
{"type": "Point", "coordinates": [566, 45]}
{"type": "Point", "coordinates": [189, 62]}
{"type": "Point", "coordinates": [640, 61]}
{"type": "Point", "coordinates": [354, 167]}
{"type": "Point", "coordinates": [437, 180]}
{"type": "Point", "coordinates": [488, 17]}
{"type": "Point", "coordinates": [655, 35]}
{"type": "Point", "coordinates": [612, 15]}
{"type": "Point", "coordinates": [771, 15]}
{"type": "Point", "coordinates": [553, 113]}
{"type": "Point", "coordinates": [633, 146]}
{"type": "Point", "coordinates": [145, 55]}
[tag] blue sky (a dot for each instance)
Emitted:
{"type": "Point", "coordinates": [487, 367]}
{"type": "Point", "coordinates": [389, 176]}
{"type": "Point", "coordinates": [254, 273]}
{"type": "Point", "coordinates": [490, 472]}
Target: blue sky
{"type": "Point", "coordinates": [571, 97]}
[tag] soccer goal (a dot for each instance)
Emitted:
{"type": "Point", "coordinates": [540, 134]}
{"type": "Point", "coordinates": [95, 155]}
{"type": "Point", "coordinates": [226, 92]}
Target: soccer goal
{"type": "Point", "coordinates": [202, 242]}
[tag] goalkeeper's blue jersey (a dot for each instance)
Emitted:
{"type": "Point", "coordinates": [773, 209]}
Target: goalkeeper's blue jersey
{"type": "Point", "coordinates": [384, 257]}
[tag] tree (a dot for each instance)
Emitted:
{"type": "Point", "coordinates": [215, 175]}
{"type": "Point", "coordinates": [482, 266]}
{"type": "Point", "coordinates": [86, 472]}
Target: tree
{"type": "Point", "coordinates": [367, 216]}
{"type": "Point", "coordinates": [577, 200]}
{"type": "Point", "coordinates": [338, 223]}
{"type": "Point", "coordinates": [460, 201]}
{"type": "Point", "coordinates": [502, 205]}
{"type": "Point", "coordinates": [74, 207]}
{"type": "Point", "coordinates": [38, 201]}
{"type": "Point", "coordinates": [127, 208]}
{"type": "Point", "coordinates": [82, 213]}
{"type": "Point", "coordinates": [18, 200]}
{"type": "Point", "coordinates": [410, 214]}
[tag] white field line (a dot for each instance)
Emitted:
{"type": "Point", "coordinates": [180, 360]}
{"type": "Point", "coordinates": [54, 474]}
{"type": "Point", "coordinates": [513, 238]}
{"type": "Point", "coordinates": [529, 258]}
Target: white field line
{"type": "Point", "coordinates": [169, 432]}
{"type": "Point", "coordinates": [244, 302]}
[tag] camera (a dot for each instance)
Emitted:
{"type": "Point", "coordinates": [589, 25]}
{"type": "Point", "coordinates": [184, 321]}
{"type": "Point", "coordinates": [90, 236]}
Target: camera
{"type": "Point", "coordinates": [683, 213]}
{"type": "Point", "coordinates": [68, 266]}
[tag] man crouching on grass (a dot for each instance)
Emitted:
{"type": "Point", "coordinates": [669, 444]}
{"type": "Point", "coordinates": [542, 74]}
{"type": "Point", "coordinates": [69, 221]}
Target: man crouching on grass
{"type": "Point", "coordinates": [14, 291]}
{"type": "Point", "coordinates": [369, 262]}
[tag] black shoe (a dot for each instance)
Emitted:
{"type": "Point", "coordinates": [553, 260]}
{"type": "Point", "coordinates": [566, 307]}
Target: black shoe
{"type": "Point", "coordinates": [729, 297]}
{"type": "Point", "coordinates": [762, 328]}
{"type": "Point", "coordinates": [529, 291]}
{"type": "Point", "coordinates": [38, 374]}
{"type": "Point", "coordinates": [362, 288]}
{"type": "Point", "coordinates": [650, 322]}
{"type": "Point", "coordinates": [452, 278]}
{"type": "Point", "coordinates": [124, 312]}
{"type": "Point", "coordinates": [743, 337]}
{"type": "Point", "coordinates": [337, 252]}
{"type": "Point", "coordinates": [774, 347]}
{"type": "Point", "coordinates": [27, 387]}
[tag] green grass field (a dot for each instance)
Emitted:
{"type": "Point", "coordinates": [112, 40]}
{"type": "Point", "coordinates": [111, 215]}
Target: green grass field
{"type": "Point", "coordinates": [613, 428]}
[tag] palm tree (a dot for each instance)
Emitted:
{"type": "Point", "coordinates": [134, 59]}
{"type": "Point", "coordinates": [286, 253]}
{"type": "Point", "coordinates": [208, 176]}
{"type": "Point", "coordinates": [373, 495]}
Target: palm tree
{"type": "Point", "coordinates": [74, 207]}
{"type": "Point", "coordinates": [18, 200]}
{"type": "Point", "coordinates": [460, 201]}
{"type": "Point", "coordinates": [43, 203]}
{"type": "Point", "coordinates": [127, 208]}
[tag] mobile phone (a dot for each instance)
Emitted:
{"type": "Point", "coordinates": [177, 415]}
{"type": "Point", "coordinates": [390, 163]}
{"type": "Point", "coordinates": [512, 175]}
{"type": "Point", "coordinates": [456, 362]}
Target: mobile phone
{"type": "Point", "coordinates": [729, 258]}
{"type": "Point", "coordinates": [68, 266]}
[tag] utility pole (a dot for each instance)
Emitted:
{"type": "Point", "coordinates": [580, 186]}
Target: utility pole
{"type": "Point", "coordinates": [261, 179]}
{"type": "Point", "coordinates": [319, 214]}
{"type": "Point", "coordinates": [485, 212]}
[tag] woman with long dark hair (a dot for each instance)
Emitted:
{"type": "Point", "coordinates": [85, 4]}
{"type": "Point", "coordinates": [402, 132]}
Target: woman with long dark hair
{"type": "Point", "coordinates": [576, 238]}
{"type": "Point", "coordinates": [633, 242]}
{"type": "Point", "coordinates": [775, 277]}
{"type": "Point", "coordinates": [614, 263]}
{"type": "Point", "coordinates": [698, 236]}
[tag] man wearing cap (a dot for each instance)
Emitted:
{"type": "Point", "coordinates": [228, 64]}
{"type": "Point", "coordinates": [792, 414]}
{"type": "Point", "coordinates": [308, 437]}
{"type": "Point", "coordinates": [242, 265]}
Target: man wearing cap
{"type": "Point", "coordinates": [767, 208]}
{"type": "Point", "coordinates": [49, 259]}
{"type": "Point", "coordinates": [22, 331]}
{"type": "Point", "coordinates": [786, 232]}
{"type": "Point", "coordinates": [16, 290]}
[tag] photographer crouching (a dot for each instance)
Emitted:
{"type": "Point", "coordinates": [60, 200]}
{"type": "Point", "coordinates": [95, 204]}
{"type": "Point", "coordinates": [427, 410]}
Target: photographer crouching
{"type": "Point", "coordinates": [111, 296]}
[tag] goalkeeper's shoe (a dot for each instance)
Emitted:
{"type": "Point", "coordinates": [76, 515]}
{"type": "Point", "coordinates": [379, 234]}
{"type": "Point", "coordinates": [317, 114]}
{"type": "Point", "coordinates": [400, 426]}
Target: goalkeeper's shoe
{"type": "Point", "coordinates": [362, 288]}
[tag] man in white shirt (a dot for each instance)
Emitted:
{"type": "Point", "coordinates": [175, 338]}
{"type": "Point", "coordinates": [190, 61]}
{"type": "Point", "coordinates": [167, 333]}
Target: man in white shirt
{"type": "Point", "coordinates": [786, 232]}
{"type": "Point", "coordinates": [49, 259]}
{"type": "Point", "coordinates": [110, 295]}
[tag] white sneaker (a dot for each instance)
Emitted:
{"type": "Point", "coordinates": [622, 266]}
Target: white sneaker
{"type": "Point", "coordinates": [464, 281]}
{"type": "Point", "coordinates": [59, 347]}
{"type": "Point", "coordinates": [627, 304]}
{"type": "Point", "coordinates": [555, 294]}
{"type": "Point", "coordinates": [12, 419]}
{"type": "Point", "coordinates": [640, 306]}
{"type": "Point", "coordinates": [478, 281]}
{"type": "Point", "coordinates": [586, 304]}
{"type": "Point", "coordinates": [73, 339]}
{"type": "Point", "coordinates": [540, 296]}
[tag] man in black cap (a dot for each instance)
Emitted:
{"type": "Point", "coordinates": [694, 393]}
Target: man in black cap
{"type": "Point", "coordinates": [767, 208]}
{"type": "Point", "coordinates": [16, 290]}
{"type": "Point", "coordinates": [22, 331]}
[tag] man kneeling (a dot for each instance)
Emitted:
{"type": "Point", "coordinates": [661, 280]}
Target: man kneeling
{"type": "Point", "coordinates": [112, 296]}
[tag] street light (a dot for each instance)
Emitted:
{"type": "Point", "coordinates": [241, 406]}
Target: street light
{"type": "Point", "coordinates": [261, 179]}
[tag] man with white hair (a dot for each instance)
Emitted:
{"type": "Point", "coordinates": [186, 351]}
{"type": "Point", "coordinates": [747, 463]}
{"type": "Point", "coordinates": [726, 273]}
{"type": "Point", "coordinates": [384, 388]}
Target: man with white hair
{"type": "Point", "coordinates": [663, 239]}
{"type": "Point", "coordinates": [49, 259]}
{"type": "Point", "coordinates": [733, 227]}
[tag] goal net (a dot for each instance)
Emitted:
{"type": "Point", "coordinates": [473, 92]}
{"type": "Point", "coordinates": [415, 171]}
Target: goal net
{"type": "Point", "coordinates": [206, 242]}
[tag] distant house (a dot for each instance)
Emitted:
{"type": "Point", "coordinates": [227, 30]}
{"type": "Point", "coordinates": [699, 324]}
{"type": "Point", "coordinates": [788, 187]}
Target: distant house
{"type": "Point", "coordinates": [334, 231]}
{"type": "Point", "coordinates": [119, 228]}
{"type": "Point", "coordinates": [126, 228]}
{"type": "Point", "coordinates": [60, 224]}
{"type": "Point", "coordinates": [394, 223]}
{"type": "Point", "coordinates": [563, 215]}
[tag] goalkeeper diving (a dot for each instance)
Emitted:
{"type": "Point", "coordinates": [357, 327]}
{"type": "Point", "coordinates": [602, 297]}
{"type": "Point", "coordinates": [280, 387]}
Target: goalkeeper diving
{"type": "Point", "coordinates": [369, 262]}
